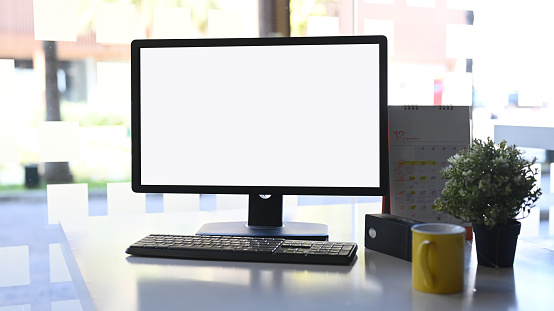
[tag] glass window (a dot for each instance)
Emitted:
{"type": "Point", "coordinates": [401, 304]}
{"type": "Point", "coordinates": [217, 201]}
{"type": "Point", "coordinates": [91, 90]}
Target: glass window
{"type": "Point", "coordinates": [64, 98]}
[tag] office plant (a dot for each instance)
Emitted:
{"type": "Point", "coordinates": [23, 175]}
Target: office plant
{"type": "Point", "coordinates": [491, 186]}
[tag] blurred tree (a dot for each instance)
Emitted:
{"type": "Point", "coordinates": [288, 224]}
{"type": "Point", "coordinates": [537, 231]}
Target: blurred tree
{"type": "Point", "coordinates": [54, 172]}
{"type": "Point", "coordinates": [274, 18]}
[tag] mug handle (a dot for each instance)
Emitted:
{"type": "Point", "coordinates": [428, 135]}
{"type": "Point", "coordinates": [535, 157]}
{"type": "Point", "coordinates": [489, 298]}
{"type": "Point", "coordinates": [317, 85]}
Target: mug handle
{"type": "Point", "coordinates": [423, 251]}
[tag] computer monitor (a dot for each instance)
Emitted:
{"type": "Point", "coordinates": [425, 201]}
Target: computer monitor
{"type": "Point", "coordinates": [265, 117]}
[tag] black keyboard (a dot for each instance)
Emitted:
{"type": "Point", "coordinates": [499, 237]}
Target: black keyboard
{"type": "Point", "coordinates": [232, 248]}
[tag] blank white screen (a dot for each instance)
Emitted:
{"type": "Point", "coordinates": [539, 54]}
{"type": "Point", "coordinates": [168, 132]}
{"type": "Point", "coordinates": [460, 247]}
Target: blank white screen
{"type": "Point", "coordinates": [260, 116]}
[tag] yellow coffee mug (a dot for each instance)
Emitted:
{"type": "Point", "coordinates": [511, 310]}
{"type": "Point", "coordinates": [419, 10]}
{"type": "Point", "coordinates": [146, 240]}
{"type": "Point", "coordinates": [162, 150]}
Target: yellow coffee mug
{"type": "Point", "coordinates": [438, 258]}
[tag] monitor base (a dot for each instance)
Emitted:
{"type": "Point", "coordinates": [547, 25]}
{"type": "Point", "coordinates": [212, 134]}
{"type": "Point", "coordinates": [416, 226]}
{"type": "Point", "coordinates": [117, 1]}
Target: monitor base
{"type": "Point", "coordinates": [289, 230]}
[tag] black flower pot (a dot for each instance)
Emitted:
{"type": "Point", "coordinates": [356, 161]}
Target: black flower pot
{"type": "Point", "coordinates": [496, 247]}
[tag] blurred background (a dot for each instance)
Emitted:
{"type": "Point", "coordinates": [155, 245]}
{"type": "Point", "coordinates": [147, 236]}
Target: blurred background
{"type": "Point", "coordinates": [65, 99]}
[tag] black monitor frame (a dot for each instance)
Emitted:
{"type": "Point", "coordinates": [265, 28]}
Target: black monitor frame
{"type": "Point", "coordinates": [265, 203]}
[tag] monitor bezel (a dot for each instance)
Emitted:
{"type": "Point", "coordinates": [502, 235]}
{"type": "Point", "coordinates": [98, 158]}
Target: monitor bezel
{"type": "Point", "coordinates": [136, 184]}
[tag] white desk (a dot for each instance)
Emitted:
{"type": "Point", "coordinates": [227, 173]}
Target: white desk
{"type": "Point", "coordinates": [108, 279]}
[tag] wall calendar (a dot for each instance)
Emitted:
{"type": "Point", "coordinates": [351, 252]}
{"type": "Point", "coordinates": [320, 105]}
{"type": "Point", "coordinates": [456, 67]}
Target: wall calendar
{"type": "Point", "coordinates": [421, 139]}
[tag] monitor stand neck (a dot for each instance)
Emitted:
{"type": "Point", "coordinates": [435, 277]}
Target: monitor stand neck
{"type": "Point", "coordinates": [265, 210]}
{"type": "Point", "coordinates": [265, 219]}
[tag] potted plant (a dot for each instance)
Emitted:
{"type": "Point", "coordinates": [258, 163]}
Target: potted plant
{"type": "Point", "coordinates": [490, 186]}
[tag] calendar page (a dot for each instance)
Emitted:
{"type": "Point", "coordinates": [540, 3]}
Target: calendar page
{"type": "Point", "coordinates": [422, 138]}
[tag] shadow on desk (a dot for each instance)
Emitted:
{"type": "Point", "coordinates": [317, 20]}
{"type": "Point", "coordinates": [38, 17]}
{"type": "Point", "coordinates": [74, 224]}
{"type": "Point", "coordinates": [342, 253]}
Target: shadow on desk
{"type": "Point", "coordinates": [262, 266]}
{"type": "Point", "coordinates": [490, 282]}
{"type": "Point", "coordinates": [484, 288]}
{"type": "Point", "coordinates": [219, 285]}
